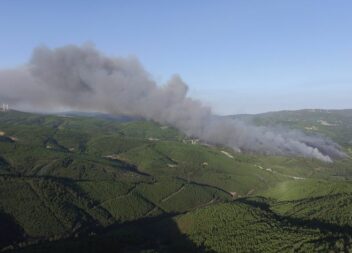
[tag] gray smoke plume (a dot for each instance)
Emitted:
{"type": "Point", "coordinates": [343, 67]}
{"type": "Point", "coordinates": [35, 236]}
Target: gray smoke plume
{"type": "Point", "coordinates": [81, 78]}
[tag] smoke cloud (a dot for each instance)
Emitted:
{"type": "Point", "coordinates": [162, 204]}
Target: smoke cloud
{"type": "Point", "coordinates": [82, 78]}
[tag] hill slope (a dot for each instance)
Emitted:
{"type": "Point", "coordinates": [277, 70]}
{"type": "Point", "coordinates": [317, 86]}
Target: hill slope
{"type": "Point", "coordinates": [102, 180]}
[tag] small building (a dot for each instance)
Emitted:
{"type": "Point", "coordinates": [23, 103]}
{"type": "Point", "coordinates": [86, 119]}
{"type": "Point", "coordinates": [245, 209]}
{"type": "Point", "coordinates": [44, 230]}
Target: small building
{"type": "Point", "coordinates": [191, 141]}
{"type": "Point", "coordinates": [4, 108]}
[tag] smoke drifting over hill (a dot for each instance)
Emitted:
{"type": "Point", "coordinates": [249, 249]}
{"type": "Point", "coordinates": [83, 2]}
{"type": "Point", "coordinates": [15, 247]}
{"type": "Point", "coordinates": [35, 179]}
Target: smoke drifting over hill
{"type": "Point", "coordinates": [82, 78]}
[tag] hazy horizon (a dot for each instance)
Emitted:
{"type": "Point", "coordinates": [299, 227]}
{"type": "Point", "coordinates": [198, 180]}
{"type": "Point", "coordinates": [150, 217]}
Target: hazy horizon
{"type": "Point", "coordinates": [59, 111]}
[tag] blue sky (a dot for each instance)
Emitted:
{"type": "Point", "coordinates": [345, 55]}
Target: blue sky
{"type": "Point", "coordinates": [238, 56]}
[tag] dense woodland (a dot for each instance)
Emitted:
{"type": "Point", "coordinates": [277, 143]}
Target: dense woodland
{"type": "Point", "coordinates": [84, 183]}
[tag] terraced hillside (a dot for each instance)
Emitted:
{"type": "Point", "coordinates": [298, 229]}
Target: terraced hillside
{"type": "Point", "coordinates": [91, 182]}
